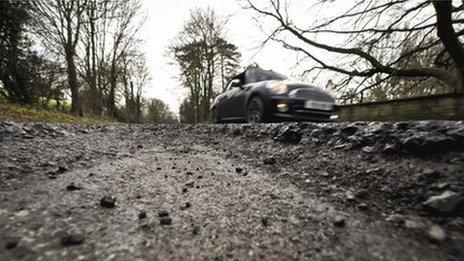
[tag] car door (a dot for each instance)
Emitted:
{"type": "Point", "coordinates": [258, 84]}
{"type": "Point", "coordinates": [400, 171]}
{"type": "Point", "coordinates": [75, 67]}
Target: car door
{"type": "Point", "coordinates": [223, 104]}
{"type": "Point", "coordinates": [220, 104]}
{"type": "Point", "coordinates": [237, 101]}
{"type": "Point", "coordinates": [229, 109]}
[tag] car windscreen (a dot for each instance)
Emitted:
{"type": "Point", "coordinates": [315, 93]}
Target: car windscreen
{"type": "Point", "coordinates": [262, 75]}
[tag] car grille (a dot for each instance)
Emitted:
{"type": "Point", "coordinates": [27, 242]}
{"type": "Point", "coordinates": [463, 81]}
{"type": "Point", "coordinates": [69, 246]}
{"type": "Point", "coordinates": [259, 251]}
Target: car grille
{"type": "Point", "coordinates": [308, 94]}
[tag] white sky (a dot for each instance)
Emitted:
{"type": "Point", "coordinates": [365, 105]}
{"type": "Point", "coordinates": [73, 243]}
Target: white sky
{"type": "Point", "coordinates": [165, 20]}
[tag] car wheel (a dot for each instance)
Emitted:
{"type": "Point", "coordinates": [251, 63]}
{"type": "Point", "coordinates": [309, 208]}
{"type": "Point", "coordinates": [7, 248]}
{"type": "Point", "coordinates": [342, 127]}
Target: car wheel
{"type": "Point", "coordinates": [215, 116]}
{"type": "Point", "coordinates": [255, 111]}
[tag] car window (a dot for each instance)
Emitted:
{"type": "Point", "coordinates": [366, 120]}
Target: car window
{"type": "Point", "coordinates": [258, 75]}
{"type": "Point", "coordinates": [240, 77]}
{"type": "Point", "coordinates": [229, 86]}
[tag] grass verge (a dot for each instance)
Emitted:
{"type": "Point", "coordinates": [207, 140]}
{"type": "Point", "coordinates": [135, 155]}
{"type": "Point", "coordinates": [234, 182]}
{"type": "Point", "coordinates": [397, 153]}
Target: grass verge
{"type": "Point", "coordinates": [20, 114]}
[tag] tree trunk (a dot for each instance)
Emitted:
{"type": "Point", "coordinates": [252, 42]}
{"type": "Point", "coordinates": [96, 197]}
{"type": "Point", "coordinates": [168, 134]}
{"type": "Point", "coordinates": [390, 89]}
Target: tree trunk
{"type": "Point", "coordinates": [112, 94]}
{"type": "Point", "coordinates": [73, 84]}
{"type": "Point", "coordinates": [95, 94]}
{"type": "Point", "coordinates": [113, 82]}
{"type": "Point", "coordinates": [449, 38]}
{"type": "Point", "coordinates": [70, 53]}
{"type": "Point", "coordinates": [138, 112]}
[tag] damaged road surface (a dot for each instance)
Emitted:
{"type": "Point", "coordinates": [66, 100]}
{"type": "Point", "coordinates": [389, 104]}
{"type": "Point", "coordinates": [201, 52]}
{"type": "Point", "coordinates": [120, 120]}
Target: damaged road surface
{"type": "Point", "coordinates": [357, 191]}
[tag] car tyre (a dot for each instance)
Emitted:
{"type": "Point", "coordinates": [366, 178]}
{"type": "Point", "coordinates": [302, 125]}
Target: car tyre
{"type": "Point", "coordinates": [255, 111]}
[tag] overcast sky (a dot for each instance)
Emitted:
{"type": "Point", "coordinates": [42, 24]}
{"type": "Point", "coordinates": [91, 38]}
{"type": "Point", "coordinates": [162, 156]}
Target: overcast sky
{"type": "Point", "coordinates": [165, 20]}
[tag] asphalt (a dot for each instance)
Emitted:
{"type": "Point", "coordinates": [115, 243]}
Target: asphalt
{"type": "Point", "coordinates": [240, 192]}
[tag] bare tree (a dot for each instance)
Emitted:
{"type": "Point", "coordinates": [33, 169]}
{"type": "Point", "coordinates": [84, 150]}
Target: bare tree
{"type": "Point", "coordinates": [205, 59]}
{"type": "Point", "coordinates": [135, 78]}
{"type": "Point", "coordinates": [374, 31]}
{"type": "Point", "coordinates": [60, 23]}
{"type": "Point", "coordinates": [96, 17]}
{"type": "Point", "coordinates": [449, 37]}
{"type": "Point", "coordinates": [126, 26]}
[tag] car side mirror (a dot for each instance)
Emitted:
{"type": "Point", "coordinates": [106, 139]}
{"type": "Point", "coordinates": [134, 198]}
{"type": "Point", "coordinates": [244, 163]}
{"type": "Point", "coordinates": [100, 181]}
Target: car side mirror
{"type": "Point", "coordinates": [235, 83]}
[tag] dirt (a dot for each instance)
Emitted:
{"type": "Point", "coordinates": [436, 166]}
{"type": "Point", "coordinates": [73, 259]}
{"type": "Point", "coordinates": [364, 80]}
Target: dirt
{"type": "Point", "coordinates": [351, 191]}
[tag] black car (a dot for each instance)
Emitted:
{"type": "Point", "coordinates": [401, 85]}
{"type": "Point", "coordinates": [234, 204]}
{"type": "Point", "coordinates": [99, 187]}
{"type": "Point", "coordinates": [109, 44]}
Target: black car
{"type": "Point", "coordinates": [258, 95]}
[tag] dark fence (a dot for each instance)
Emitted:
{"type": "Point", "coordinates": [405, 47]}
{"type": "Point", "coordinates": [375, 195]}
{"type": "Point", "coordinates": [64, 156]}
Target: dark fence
{"type": "Point", "coordinates": [439, 107]}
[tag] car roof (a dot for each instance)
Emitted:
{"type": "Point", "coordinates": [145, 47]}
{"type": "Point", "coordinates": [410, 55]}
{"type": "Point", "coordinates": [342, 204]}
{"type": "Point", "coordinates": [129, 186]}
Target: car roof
{"type": "Point", "coordinates": [257, 70]}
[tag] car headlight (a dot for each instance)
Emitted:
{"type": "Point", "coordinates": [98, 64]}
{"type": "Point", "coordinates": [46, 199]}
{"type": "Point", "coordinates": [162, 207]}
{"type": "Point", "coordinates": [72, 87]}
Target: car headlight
{"type": "Point", "coordinates": [277, 87]}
